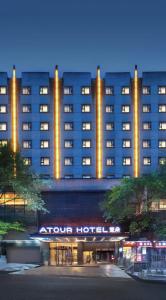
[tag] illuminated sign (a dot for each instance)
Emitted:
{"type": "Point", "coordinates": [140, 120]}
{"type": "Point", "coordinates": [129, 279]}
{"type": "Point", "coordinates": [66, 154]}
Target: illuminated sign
{"type": "Point", "coordinates": [79, 230]}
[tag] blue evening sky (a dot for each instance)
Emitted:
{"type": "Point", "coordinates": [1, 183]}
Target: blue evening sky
{"type": "Point", "coordinates": [78, 35]}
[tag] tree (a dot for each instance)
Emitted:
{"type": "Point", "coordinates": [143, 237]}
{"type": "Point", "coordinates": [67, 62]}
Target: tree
{"type": "Point", "coordinates": [5, 227]}
{"type": "Point", "coordinates": [17, 180]}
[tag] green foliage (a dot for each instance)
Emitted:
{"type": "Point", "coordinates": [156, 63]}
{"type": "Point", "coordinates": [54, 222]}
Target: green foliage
{"type": "Point", "coordinates": [6, 226]}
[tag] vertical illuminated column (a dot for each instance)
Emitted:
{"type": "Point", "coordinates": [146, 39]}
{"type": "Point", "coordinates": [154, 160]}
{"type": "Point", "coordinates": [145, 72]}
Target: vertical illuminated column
{"type": "Point", "coordinates": [136, 122]}
{"type": "Point", "coordinates": [99, 126]}
{"type": "Point", "coordinates": [56, 124]}
{"type": "Point", "coordinates": [14, 111]}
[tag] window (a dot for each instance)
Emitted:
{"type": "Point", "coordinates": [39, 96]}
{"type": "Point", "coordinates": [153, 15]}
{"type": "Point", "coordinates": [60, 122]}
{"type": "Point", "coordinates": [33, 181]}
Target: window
{"type": "Point", "coordinates": [126, 176]}
{"type": "Point", "coordinates": [162, 90]}
{"type": "Point", "coordinates": [85, 108]}
{"type": "Point", "coordinates": [146, 144]}
{"type": "Point", "coordinates": [110, 144]}
{"type": "Point", "coordinates": [162, 108]}
{"type": "Point", "coordinates": [27, 161]}
{"type": "Point", "coordinates": [3, 126]}
{"type": "Point", "coordinates": [68, 126]}
{"type": "Point", "coordinates": [3, 90]}
{"type": "Point", "coordinates": [43, 90]}
{"type": "Point", "coordinates": [44, 126]}
{"type": "Point", "coordinates": [44, 144]}
{"type": "Point", "coordinates": [3, 109]}
{"type": "Point", "coordinates": [126, 161]}
{"type": "Point", "coordinates": [68, 161]}
{"type": "Point", "coordinates": [68, 108]}
{"type": "Point", "coordinates": [147, 126]}
{"type": "Point", "coordinates": [86, 176]}
{"type": "Point", "coordinates": [86, 161]}
{"type": "Point", "coordinates": [162, 144]}
{"type": "Point", "coordinates": [109, 90]}
{"type": "Point", "coordinates": [146, 161]}
{"type": "Point", "coordinates": [162, 126]}
{"type": "Point", "coordinates": [109, 126]}
{"type": "Point", "coordinates": [68, 176]}
{"type": "Point", "coordinates": [110, 161]}
{"type": "Point", "coordinates": [146, 90]}
{"type": "Point", "coordinates": [86, 143]}
{"type": "Point", "coordinates": [85, 90]}
{"type": "Point", "coordinates": [44, 108]}
{"type": "Point", "coordinates": [26, 90]}
{"type": "Point", "coordinates": [67, 90]}
{"type": "Point", "coordinates": [68, 143]}
{"type": "Point", "coordinates": [26, 108]}
{"type": "Point", "coordinates": [126, 143]}
{"type": "Point", "coordinates": [146, 108]}
{"type": "Point", "coordinates": [162, 160]}
{"type": "Point", "coordinates": [27, 144]}
{"type": "Point", "coordinates": [44, 161]}
{"type": "Point", "coordinates": [125, 108]}
{"type": "Point", "coordinates": [110, 176]}
{"type": "Point", "coordinates": [26, 126]}
{"type": "Point", "coordinates": [3, 143]}
{"type": "Point", "coordinates": [109, 109]}
{"type": "Point", "coordinates": [86, 126]}
{"type": "Point", "coordinates": [125, 90]}
{"type": "Point", "coordinates": [126, 126]}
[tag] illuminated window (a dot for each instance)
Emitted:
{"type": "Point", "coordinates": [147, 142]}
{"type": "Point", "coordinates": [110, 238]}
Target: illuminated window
{"type": "Point", "coordinates": [26, 126]}
{"type": "Point", "coordinates": [125, 108]}
{"type": "Point", "coordinates": [3, 109]}
{"type": "Point", "coordinates": [162, 143]}
{"type": "Point", "coordinates": [86, 161]}
{"type": "Point", "coordinates": [44, 126]}
{"type": "Point", "coordinates": [3, 143]}
{"type": "Point", "coordinates": [27, 161]}
{"type": "Point", "coordinates": [43, 90]}
{"type": "Point", "coordinates": [162, 160]}
{"type": "Point", "coordinates": [146, 90]}
{"type": "Point", "coordinates": [44, 144]}
{"type": "Point", "coordinates": [146, 108]}
{"type": "Point", "coordinates": [68, 143]}
{"type": "Point", "coordinates": [162, 204]}
{"type": "Point", "coordinates": [110, 144]}
{"type": "Point", "coordinates": [162, 90]}
{"type": "Point", "coordinates": [26, 90]}
{"type": "Point", "coordinates": [146, 144]}
{"type": "Point", "coordinates": [146, 161]}
{"type": "Point", "coordinates": [67, 90]}
{"type": "Point", "coordinates": [147, 126]}
{"type": "Point", "coordinates": [126, 176]}
{"type": "Point", "coordinates": [68, 126]}
{"type": "Point", "coordinates": [86, 143]}
{"type": "Point", "coordinates": [68, 108]}
{"type": "Point", "coordinates": [44, 161]}
{"type": "Point", "coordinates": [125, 90]}
{"type": "Point", "coordinates": [68, 161]}
{"type": "Point", "coordinates": [126, 126]}
{"type": "Point", "coordinates": [86, 126]}
{"type": "Point", "coordinates": [3, 90]}
{"type": "Point", "coordinates": [85, 108]}
{"type": "Point", "coordinates": [109, 90]}
{"type": "Point", "coordinates": [86, 176]}
{"type": "Point", "coordinates": [126, 161]}
{"type": "Point", "coordinates": [109, 109]}
{"type": "Point", "coordinates": [126, 143]}
{"type": "Point", "coordinates": [44, 108]}
{"type": "Point", "coordinates": [162, 126]}
{"type": "Point", "coordinates": [26, 108]}
{"type": "Point", "coordinates": [27, 144]}
{"type": "Point", "coordinates": [110, 161]}
{"type": "Point", "coordinates": [68, 176]}
{"type": "Point", "coordinates": [109, 126]}
{"type": "Point", "coordinates": [162, 108]}
{"type": "Point", "coordinates": [3, 126]}
{"type": "Point", "coordinates": [85, 90]}
{"type": "Point", "coordinates": [110, 176]}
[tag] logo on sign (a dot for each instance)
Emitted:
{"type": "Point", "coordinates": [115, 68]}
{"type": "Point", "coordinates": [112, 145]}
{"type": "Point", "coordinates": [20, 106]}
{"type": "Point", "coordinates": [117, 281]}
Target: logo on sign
{"type": "Point", "coordinates": [69, 230]}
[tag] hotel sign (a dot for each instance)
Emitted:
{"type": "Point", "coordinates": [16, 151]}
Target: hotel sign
{"type": "Point", "coordinates": [79, 230]}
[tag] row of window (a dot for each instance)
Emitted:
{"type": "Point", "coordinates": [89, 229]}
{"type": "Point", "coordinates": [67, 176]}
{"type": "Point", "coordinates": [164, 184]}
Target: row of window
{"type": "Point", "coordinates": [87, 161]}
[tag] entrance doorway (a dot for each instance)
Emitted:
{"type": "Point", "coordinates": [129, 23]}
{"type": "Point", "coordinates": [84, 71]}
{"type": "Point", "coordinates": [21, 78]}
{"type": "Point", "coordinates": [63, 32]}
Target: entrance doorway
{"type": "Point", "coordinates": [63, 254]}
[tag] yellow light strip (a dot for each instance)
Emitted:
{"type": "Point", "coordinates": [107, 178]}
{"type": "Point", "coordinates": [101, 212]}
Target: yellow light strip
{"type": "Point", "coordinates": [14, 112]}
{"type": "Point", "coordinates": [99, 137]}
{"type": "Point", "coordinates": [136, 124]}
{"type": "Point", "coordinates": [56, 125]}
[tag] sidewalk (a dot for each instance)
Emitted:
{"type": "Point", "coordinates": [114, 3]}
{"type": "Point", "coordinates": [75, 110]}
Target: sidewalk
{"type": "Point", "coordinates": [13, 267]}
